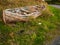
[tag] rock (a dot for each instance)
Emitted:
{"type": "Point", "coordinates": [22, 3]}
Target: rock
{"type": "Point", "coordinates": [56, 41]}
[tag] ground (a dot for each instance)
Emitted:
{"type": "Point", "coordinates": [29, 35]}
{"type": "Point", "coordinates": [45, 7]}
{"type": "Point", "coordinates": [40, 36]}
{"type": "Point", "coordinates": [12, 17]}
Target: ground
{"type": "Point", "coordinates": [57, 6]}
{"type": "Point", "coordinates": [40, 31]}
{"type": "Point", "coordinates": [32, 31]}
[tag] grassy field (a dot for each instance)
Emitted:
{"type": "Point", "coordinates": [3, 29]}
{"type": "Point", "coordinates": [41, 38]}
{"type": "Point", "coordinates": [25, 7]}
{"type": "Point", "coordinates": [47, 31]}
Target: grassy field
{"type": "Point", "coordinates": [31, 33]}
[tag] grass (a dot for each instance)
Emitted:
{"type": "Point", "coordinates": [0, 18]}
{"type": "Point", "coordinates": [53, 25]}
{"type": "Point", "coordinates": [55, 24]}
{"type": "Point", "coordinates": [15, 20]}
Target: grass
{"type": "Point", "coordinates": [33, 33]}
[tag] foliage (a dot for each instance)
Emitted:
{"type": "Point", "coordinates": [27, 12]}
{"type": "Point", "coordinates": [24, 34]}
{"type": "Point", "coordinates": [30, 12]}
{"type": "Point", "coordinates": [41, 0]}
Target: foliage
{"type": "Point", "coordinates": [57, 2]}
{"type": "Point", "coordinates": [34, 33]}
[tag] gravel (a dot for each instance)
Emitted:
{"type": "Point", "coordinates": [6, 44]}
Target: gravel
{"type": "Point", "coordinates": [56, 41]}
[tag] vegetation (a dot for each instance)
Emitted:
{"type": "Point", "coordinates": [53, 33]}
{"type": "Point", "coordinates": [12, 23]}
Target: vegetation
{"type": "Point", "coordinates": [57, 2]}
{"type": "Point", "coordinates": [35, 32]}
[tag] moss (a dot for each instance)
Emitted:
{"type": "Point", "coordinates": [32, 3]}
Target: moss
{"type": "Point", "coordinates": [34, 33]}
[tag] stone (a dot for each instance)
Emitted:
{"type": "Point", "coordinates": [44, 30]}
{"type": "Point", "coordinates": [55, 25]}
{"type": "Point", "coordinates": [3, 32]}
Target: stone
{"type": "Point", "coordinates": [56, 41]}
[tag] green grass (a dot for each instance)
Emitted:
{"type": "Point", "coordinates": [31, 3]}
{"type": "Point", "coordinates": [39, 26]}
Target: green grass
{"type": "Point", "coordinates": [34, 34]}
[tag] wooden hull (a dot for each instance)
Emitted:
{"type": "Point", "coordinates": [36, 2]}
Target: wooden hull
{"type": "Point", "coordinates": [14, 17]}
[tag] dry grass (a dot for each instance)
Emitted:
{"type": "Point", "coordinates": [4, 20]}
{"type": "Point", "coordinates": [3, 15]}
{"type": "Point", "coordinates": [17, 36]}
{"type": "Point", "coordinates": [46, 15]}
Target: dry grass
{"type": "Point", "coordinates": [39, 33]}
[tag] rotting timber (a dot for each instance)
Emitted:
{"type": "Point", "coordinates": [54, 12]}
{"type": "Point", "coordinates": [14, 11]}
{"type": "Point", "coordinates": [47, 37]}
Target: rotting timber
{"type": "Point", "coordinates": [22, 13]}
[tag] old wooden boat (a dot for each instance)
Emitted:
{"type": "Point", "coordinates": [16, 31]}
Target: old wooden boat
{"type": "Point", "coordinates": [22, 13]}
